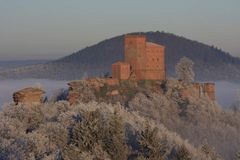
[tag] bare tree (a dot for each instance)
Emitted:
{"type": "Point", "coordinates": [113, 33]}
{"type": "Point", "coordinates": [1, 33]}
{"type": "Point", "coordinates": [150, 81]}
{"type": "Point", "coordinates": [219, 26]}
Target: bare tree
{"type": "Point", "coordinates": [184, 70]}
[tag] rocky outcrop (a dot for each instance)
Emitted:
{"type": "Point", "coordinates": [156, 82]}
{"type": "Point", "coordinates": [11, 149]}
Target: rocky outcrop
{"type": "Point", "coordinates": [28, 96]}
{"type": "Point", "coordinates": [199, 90]}
{"type": "Point", "coordinates": [86, 90]}
{"type": "Point", "coordinates": [82, 91]}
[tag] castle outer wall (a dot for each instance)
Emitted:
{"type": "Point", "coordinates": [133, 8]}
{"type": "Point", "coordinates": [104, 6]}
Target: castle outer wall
{"type": "Point", "coordinates": [121, 70]}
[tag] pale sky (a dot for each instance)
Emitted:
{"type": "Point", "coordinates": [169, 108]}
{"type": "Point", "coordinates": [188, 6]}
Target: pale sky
{"type": "Point", "coordinates": [49, 29]}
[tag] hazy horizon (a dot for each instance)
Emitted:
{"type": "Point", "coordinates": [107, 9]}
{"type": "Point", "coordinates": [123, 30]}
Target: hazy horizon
{"type": "Point", "coordinates": [53, 29]}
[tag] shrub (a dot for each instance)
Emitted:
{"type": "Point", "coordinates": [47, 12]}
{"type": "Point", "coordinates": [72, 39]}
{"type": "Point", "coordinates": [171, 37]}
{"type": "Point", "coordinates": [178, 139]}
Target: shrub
{"type": "Point", "coordinates": [209, 151]}
{"type": "Point", "coordinates": [182, 154]}
{"type": "Point", "coordinates": [87, 132]}
{"type": "Point", "coordinates": [152, 147]}
{"type": "Point", "coordinates": [93, 134]}
{"type": "Point", "coordinates": [103, 91]}
{"type": "Point", "coordinates": [114, 141]}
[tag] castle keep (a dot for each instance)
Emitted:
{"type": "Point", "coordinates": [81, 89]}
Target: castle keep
{"type": "Point", "coordinates": [142, 60]}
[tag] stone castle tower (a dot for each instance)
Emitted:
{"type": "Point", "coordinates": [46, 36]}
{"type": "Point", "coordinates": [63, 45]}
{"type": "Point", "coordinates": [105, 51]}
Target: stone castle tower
{"type": "Point", "coordinates": [142, 60]}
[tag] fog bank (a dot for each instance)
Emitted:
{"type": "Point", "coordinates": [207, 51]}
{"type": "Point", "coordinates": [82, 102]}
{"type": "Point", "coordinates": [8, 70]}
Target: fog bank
{"type": "Point", "coordinates": [225, 91]}
{"type": "Point", "coordinates": [8, 87]}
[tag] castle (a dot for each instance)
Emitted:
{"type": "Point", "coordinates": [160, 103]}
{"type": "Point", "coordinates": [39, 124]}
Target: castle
{"type": "Point", "coordinates": [146, 61]}
{"type": "Point", "coordinates": [142, 60]}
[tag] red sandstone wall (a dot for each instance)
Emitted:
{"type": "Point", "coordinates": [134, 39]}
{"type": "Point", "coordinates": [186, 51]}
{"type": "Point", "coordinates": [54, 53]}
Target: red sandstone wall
{"type": "Point", "coordinates": [120, 70]}
{"type": "Point", "coordinates": [115, 71]}
{"type": "Point", "coordinates": [199, 89]}
{"type": "Point", "coordinates": [147, 60]}
{"type": "Point", "coordinates": [209, 89]}
{"type": "Point", "coordinates": [155, 62]}
{"type": "Point", "coordinates": [135, 49]}
{"type": "Point", "coordinates": [202, 89]}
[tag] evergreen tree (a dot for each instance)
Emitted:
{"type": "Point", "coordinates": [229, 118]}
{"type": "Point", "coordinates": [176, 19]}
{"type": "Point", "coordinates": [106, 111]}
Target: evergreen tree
{"type": "Point", "coordinates": [114, 140]}
{"type": "Point", "coordinates": [152, 147]}
{"type": "Point", "coordinates": [183, 154]}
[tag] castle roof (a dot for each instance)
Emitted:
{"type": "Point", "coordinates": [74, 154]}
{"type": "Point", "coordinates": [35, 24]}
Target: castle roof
{"type": "Point", "coordinates": [155, 44]}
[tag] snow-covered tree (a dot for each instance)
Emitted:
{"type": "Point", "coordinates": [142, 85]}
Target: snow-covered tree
{"type": "Point", "coordinates": [184, 70]}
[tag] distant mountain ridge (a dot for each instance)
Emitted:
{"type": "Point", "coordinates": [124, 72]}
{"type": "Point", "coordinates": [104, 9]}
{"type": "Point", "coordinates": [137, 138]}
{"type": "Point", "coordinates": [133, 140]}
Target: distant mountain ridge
{"type": "Point", "coordinates": [211, 63]}
{"type": "Point", "coordinates": [20, 63]}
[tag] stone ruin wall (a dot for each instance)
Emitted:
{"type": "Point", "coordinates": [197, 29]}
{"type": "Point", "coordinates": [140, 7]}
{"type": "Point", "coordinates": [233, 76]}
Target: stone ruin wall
{"type": "Point", "coordinates": [210, 90]}
{"type": "Point", "coordinates": [207, 89]}
{"type": "Point", "coordinates": [202, 89]}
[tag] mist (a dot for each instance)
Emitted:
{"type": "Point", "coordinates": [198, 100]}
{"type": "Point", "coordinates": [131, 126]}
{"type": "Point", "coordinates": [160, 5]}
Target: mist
{"type": "Point", "coordinates": [8, 87]}
{"type": "Point", "coordinates": [226, 92]}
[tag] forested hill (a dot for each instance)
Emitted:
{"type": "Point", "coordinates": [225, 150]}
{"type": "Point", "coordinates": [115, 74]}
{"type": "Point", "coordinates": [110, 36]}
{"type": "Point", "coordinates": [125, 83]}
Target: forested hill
{"type": "Point", "coordinates": [211, 63]}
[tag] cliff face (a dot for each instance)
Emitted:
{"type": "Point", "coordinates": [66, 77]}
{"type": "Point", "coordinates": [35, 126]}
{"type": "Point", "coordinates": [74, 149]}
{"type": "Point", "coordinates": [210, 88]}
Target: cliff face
{"type": "Point", "coordinates": [28, 96]}
{"type": "Point", "coordinates": [210, 63]}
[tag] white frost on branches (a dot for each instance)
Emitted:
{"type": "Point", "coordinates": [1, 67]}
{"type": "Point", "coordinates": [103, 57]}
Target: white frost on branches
{"type": "Point", "coordinates": [184, 70]}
